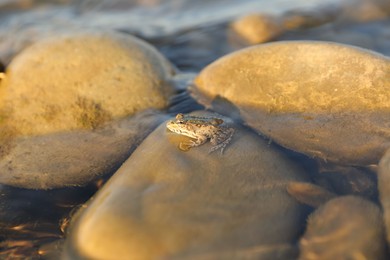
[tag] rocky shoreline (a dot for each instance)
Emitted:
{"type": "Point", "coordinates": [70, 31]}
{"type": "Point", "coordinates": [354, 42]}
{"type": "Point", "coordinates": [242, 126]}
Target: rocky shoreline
{"type": "Point", "coordinates": [304, 176]}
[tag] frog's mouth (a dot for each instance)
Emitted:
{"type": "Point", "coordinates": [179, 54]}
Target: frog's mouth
{"type": "Point", "coordinates": [171, 126]}
{"type": "Point", "coordinates": [174, 127]}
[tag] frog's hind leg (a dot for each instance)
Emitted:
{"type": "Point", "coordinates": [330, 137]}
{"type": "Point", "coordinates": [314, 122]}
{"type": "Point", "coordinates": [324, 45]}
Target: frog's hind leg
{"type": "Point", "coordinates": [222, 140]}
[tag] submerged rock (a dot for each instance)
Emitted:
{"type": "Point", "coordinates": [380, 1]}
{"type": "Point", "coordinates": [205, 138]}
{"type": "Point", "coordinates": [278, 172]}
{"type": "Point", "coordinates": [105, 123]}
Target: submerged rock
{"type": "Point", "coordinates": [310, 194]}
{"type": "Point", "coordinates": [323, 99]}
{"type": "Point", "coordinates": [167, 203]}
{"type": "Point", "coordinates": [81, 80]}
{"type": "Point", "coordinates": [344, 228]}
{"type": "Point", "coordinates": [74, 158]}
{"type": "Point", "coordinates": [348, 180]}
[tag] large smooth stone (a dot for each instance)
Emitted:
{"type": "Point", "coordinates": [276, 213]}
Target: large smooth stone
{"type": "Point", "coordinates": [344, 228]}
{"type": "Point", "coordinates": [384, 189]}
{"type": "Point", "coordinates": [76, 158]}
{"type": "Point", "coordinates": [323, 99]}
{"type": "Point", "coordinates": [164, 203]}
{"type": "Point", "coordinates": [81, 80]}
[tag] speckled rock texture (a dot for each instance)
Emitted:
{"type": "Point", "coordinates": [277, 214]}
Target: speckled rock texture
{"type": "Point", "coordinates": [326, 100]}
{"type": "Point", "coordinates": [81, 80]}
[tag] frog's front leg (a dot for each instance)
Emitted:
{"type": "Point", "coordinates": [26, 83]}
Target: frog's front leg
{"type": "Point", "coordinates": [185, 146]}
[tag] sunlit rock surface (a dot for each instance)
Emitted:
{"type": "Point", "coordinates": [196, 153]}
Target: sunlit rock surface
{"type": "Point", "coordinates": [344, 228]}
{"type": "Point", "coordinates": [73, 158]}
{"type": "Point", "coordinates": [323, 99]}
{"type": "Point", "coordinates": [384, 189]}
{"type": "Point", "coordinates": [258, 28]}
{"type": "Point", "coordinates": [82, 80]}
{"type": "Point", "coordinates": [167, 203]}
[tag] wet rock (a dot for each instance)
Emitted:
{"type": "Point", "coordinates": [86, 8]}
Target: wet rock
{"type": "Point", "coordinates": [309, 194]}
{"type": "Point", "coordinates": [304, 19]}
{"type": "Point", "coordinates": [344, 228]}
{"type": "Point", "coordinates": [326, 100]}
{"type": "Point", "coordinates": [261, 28]}
{"type": "Point", "coordinates": [167, 203]}
{"type": "Point", "coordinates": [347, 180]}
{"type": "Point", "coordinates": [93, 76]}
{"type": "Point", "coordinates": [257, 28]}
{"type": "Point", "coordinates": [75, 158]}
{"type": "Point", "coordinates": [384, 189]}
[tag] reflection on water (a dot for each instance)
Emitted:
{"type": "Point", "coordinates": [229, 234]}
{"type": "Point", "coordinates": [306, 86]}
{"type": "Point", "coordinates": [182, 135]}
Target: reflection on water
{"type": "Point", "coordinates": [32, 220]}
{"type": "Point", "coordinates": [189, 33]}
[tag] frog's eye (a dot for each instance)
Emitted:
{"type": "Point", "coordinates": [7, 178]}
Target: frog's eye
{"type": "Point", "coordinates": [179, 116]}
{"type": "Point", "coordinates": [216, 121]}
{"type": "Point", "coordinates": [180, 121]}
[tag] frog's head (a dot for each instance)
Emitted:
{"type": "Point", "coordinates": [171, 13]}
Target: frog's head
{"type": "Point", "coordinates": [184, 125]}
{"type": "Point", "coordinates": [177, 125]}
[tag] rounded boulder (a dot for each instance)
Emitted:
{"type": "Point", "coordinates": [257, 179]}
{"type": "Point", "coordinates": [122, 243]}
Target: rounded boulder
{"type": "Point", "coordinates": [323, 99]}
{"type": "Point", "coordinates": [166, 203]}
{"type": "Point", "coordinates": [81, 80]}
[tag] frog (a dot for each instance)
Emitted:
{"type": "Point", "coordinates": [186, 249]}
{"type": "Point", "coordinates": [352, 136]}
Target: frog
{"type": "Point", "coordinates": [201, 129]}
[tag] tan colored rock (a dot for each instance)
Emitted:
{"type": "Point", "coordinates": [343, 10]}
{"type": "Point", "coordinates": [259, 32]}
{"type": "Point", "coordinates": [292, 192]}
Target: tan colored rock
{"type": "Point", "coordinates": [81, 80]}
{"type": "Point", "coordinates": [258, 28]}
{"type": "Point", "coordinates": [301, 19]}
{"type": "Point", "coordinates": [324, 99]}
{"type": "Point", "coordinates": [309, 194]}
{"type": "Point", "coordinates": [344, 228]}
{"type": "Point", "coordinates": [261, 28]}
{"type": "Point", "coordinates": [72, 159]}
{"type": "Point", "coordinates": [164, 203]}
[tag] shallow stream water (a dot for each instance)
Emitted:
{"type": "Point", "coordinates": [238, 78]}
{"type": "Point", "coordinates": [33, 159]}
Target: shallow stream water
{"type": "Point", "coordinates": [191, 34]}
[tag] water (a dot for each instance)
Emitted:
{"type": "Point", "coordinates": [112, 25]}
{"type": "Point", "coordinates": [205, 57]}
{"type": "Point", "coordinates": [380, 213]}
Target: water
{"type": "Point", "coordinates": [32, 220]}
{"type": "Point", "coordinates": [23, 22]}
{"type": "Point", "coordinates": [191, 34]}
